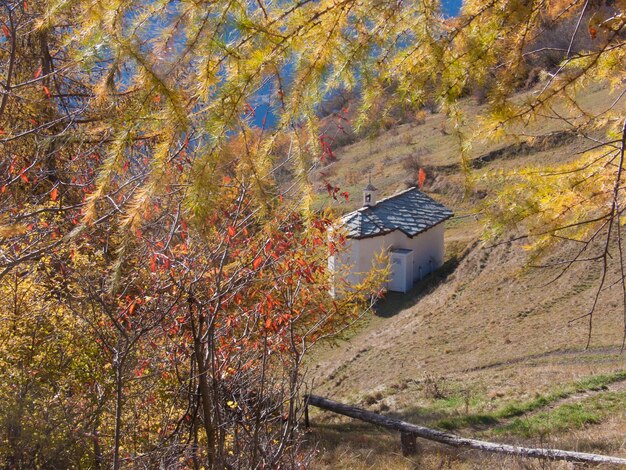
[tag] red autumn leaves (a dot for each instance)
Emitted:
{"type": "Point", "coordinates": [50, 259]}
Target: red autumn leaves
{"type": "Point", "coordinates": [333, 191]}
{"type": "Point", "coordinates": [421, 178]}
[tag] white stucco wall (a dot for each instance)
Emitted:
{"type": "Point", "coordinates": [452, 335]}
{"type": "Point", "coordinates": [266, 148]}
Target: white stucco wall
{"type": "Point", "coordinates": [359, 255]}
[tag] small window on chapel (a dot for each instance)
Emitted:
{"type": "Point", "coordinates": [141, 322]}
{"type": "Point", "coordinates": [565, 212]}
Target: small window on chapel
{"type": "Point", "coordinates": [368, 198]}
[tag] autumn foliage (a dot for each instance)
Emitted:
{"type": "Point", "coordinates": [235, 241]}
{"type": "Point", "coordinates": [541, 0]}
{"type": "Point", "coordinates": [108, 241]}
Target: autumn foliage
{"type": "Point", "coordinates": [159, 290]}
{"type": "Point", "coordinates": [160, 284]}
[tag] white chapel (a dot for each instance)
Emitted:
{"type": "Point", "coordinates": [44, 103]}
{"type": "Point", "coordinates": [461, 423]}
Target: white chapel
{"type": "Point", "coordinates": [407, 226]}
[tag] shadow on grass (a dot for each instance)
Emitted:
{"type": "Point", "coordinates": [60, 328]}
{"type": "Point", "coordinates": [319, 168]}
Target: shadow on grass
{"type": "Point", "coordinates": [395, 302]}
{"type": "Point", "coordinates": [356, 434]}
{"type": "Point", "coordinates": [445, 420]}
{"type": "Point", "coordinates": [420, 416]}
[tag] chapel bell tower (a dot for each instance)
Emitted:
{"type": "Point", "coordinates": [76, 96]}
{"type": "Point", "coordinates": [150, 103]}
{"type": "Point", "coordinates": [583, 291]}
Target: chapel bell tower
{"type": "Point", "coordinates": [369, 194]}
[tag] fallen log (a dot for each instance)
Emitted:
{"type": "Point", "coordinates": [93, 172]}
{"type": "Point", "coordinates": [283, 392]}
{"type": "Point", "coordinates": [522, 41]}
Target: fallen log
{"type": "Point", "coordinates": [454, 440]}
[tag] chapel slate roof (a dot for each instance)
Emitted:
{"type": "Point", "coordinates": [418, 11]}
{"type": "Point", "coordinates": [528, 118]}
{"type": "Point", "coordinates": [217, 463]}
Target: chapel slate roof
{"type": "Point", "coordinates": [410, 211]}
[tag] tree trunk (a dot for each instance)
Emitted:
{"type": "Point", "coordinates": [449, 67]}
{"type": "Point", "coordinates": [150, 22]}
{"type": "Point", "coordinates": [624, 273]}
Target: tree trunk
{"type": "Point", "coordinates": [205, 397]}
{"type": "Point", "coordinates": [119, 382]}
{"type": "Point", "coordinates": [97, 451]}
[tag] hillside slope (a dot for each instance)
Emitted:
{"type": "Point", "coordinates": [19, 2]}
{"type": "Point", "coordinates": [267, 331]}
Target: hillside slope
{"type": "Point", "coordinates": [486, 335]}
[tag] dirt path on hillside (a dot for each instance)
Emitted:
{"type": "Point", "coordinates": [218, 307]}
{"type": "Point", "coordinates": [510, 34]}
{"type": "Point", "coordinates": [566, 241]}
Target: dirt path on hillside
{"type": "Point", "coordinates": [566, 353]}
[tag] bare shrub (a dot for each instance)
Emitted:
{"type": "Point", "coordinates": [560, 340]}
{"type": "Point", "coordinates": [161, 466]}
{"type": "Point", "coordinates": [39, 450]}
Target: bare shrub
{"type": "Point", "coordinates": [388, 122]}
{"type": "Point", "coordinates": [420, 117]}
{"type": "Point", "coordinates": [435, 387]}
{"type": "Point", "coordinates": [369, 400]}
{"type": "Point", "coordinates": [412, 164]}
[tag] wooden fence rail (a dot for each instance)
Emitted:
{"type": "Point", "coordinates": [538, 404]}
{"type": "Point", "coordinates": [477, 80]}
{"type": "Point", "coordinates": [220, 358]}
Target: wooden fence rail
{"type": "Point", "coordinates": [409, 432]}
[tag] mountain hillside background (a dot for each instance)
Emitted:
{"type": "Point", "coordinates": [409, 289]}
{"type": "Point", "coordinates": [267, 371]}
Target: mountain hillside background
{"type": "Point", "coordinates": [486, 347]}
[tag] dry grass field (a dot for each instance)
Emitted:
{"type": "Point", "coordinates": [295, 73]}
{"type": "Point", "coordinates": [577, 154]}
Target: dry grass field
{"type": "Point", "coordinates": [484, 348]}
